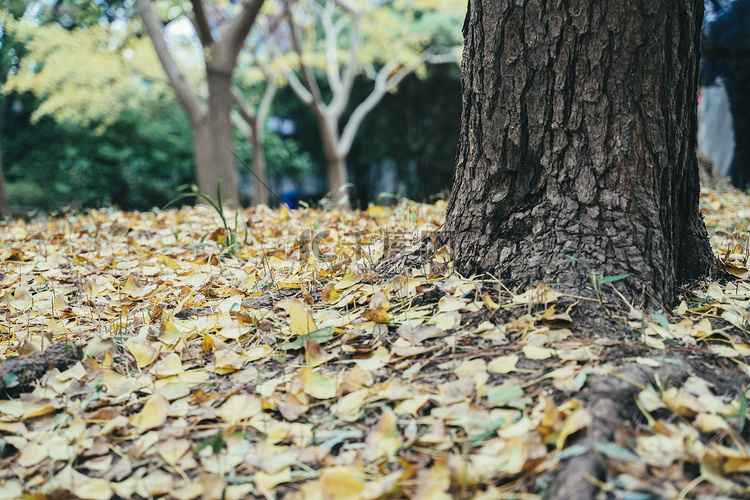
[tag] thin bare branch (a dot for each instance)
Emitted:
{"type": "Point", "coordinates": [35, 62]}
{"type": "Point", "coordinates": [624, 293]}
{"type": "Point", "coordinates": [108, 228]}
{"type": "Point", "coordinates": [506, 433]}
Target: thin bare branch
{"type": "Point", "coordinates": [239, 122]}
{"type": "Point", "coordinates": [155, 28]}
{"type": "Point", "coordinates": [265, 103]}
{"type": "Point", "coordinates": [331, 35]}
{"type": "Point", "coordinates": [338, 104]}
{"type": "Point", "coordinates": [200, 22]}
{"type": "Point", "coordinates": [298, 87]}
{"type": "Point", "coordinates": [294, 82]}
{"type": "Point", "coordinates": [314, 6]}
{"type": "Point", "coordinates": [384, 82]}
{"type": "Point", "coordinates": [316, 101]}
{"type": "Point", "coordinates": [244, 112]}
{"type": "Point", "coordinates": [235, 34]}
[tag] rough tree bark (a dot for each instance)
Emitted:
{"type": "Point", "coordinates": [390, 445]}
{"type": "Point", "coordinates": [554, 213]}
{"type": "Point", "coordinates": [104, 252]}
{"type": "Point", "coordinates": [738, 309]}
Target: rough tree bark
{"type": "Point", "coordinates": [211, 122]}
{"type": "Point", "coordinates": [578, 138]}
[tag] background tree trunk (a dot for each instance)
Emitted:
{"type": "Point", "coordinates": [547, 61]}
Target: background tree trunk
{"type": "Point", "coordinates": [260, 183]}
{"type": "Point", "coordinates": [212, 125]}
{"type": "Point", "coordinates": [222, 163]}
{"type": "Point", "coordinates": [338, 175]}
{"type": "Point", "coordinates": [578, 138]}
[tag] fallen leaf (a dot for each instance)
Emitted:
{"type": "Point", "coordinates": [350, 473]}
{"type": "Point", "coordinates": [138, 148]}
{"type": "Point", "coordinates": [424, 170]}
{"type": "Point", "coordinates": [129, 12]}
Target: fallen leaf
{"type": "Point", "coordinates": [153, 414]}
{"type": "Point", "coordinates": [239, 408]}
{"type": "Point", "coordinates": [316, 385]}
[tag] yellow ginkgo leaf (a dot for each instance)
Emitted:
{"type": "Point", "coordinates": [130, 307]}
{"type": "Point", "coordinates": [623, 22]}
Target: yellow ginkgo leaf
{"type": "Point", "coordinates": [171, 365]}
{"type": "Point", "coordinates": [385, 439]}
{"type": "Point", "coordinates": [340, 483]}
{"type": "Point", "coordinates": [142, 350]}
{"type": "Point", "coordinates": [316, 385]}
{"type": "Point", "coordinates": [172, 450]}
{"type": "Point", "coordinates": [153, 414]}
{"type": "Point", "coordinates": [257, 352]}
{"type": "Point", "coordinates": [379, 359]}
{"type": "Point", "coordinates": [267, 482]}
{"type": "Point", "coordinates": [240, 407]}
{"type": "Point", "coordinates": [536, 352]}
{"type": "Point", "coordinates": [578, 420]}
{"type": "Point", "coordinates": [350, 279]}
{"type": "Point", "coordinates": [490, 303]}
{"type": "Point", "coordinates": [299, 315]}
{"type": "Point", "coordinates": [405, 287]}
{"type": "Point", "coordinates": [349, 407]}
{"type": "Point", "coordinates": [503, 364]}
{"type": "Point", "coordinates": [330, 295]}
{"type": "Point", "coordinates": [450, 303]}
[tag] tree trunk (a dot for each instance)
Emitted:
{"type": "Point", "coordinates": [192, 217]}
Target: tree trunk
{"type": "Point", "coordinates": [260, 181]}
{"type": "Point", "coordinates": [578, 138]}
{"type": "Point", "coordinates": [214, 142]}
{"type": "Point", "coordinates": [338, 175]}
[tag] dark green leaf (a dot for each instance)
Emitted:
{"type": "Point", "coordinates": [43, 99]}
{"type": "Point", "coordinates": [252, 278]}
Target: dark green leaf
{"type": "Point", "coordinates": [319, 335]}
{"type": "Point", "coordinates": [572, 451]}
{"type": "Point", "coordinates": [216, 443]}
{"type": "Point", "coordinates": [617, 452]}
{"type": "Point", "coordinates": [8, 379]}
{"type": "Point", "coordinates": [610, 279]}
{"type": "Point", "coordinates": [503, 393]}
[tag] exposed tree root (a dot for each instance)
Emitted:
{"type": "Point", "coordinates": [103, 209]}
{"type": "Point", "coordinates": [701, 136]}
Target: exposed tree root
{"type": "Point", "coordinates": [18, 375]}
{"type": "Point", "coordinates": [610, 399]}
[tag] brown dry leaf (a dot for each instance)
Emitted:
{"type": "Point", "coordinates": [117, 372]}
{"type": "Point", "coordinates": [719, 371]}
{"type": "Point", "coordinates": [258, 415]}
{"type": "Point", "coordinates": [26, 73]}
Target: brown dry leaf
{"type": "Point", "coordinates": [315, 355]}
{"type": "Point", "coordinates": [416, 335]}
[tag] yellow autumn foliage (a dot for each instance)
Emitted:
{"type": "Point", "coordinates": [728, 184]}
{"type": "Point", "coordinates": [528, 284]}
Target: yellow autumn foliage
{"type": "Point", "coordinates": [86, 76]}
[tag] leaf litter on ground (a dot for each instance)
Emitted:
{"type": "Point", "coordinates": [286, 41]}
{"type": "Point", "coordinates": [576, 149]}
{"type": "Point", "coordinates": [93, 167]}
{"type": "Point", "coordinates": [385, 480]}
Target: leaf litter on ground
{"type": "Point", "coordinates": [292, 370]}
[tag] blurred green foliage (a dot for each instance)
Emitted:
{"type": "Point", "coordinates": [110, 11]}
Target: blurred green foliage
{"type": "Point", "coordinates": [140, 160]}
{"type": "Point", "coordinates": [415, 130]}
{"type": "Point", "coordinates": [137, 163]}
